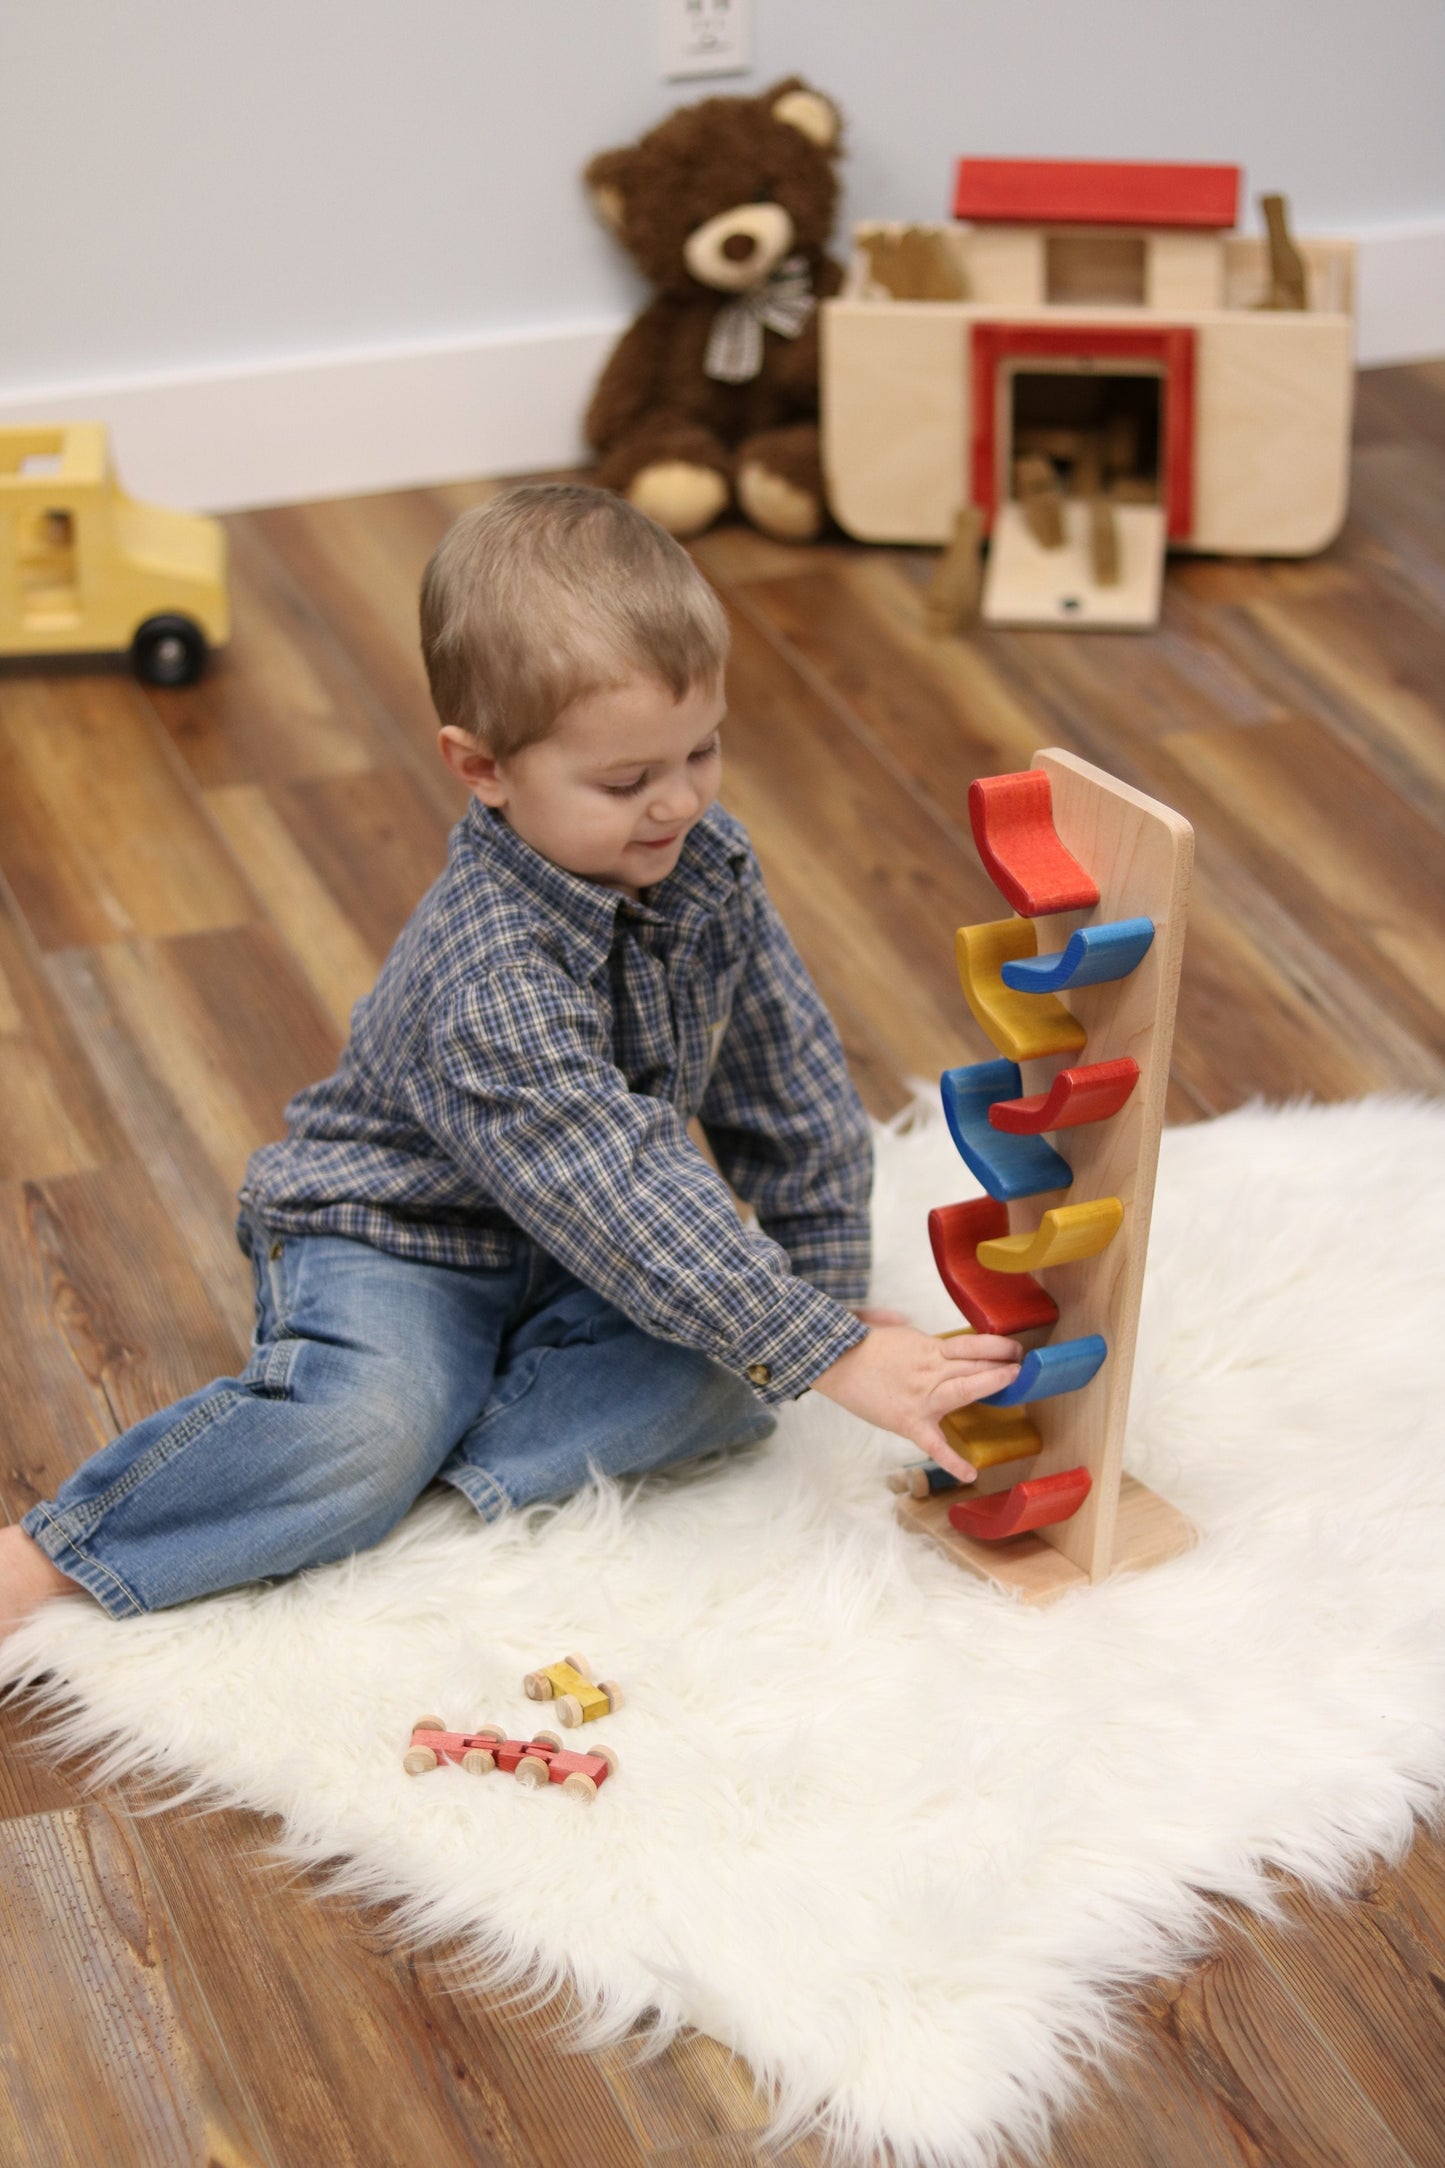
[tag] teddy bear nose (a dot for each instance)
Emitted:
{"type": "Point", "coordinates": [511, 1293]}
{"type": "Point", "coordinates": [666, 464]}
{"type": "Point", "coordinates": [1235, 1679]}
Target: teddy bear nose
{"type": "Point", "coordinates": [739, 246]}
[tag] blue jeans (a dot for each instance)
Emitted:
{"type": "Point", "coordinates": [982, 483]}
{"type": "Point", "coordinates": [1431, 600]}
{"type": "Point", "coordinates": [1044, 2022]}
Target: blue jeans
{"type": "Point", "coordinates": [370, 1376]}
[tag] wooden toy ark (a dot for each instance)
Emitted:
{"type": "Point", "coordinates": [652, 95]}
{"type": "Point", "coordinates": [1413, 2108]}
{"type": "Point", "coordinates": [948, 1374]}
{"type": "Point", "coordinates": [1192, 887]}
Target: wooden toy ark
{"type": "Point", "coordinates": [85, 569]}
{"type": "Point", "coordinates": [534, 1762]}
{"type": "Point", "coordinates": [1107, 871]}
{"type": "Point", "coordinates": [579, 1698]}
{"type": "Point", "coordinates": [1107, 373]}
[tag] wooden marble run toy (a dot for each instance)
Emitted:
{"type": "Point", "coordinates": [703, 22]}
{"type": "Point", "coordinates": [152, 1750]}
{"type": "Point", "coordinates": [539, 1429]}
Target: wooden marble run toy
{"type": "Point", "coordinates": [534, 1762]}
{"type": "Point", "coordinates": [1106, 372]}
{"type": "Point", "coordinates": [579, 1698]}
{"type": "Point", "coordinates": [1054, 1251]}
{"type": "Point", "coordinates": [85, 569]}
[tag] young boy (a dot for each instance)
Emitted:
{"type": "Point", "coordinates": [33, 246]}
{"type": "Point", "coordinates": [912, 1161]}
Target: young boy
{"type": "Point", "coordinates": [487, 1249]}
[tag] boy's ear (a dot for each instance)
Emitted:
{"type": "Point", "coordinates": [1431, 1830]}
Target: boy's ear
{"type": "Point", "coordinates": [472, 765]}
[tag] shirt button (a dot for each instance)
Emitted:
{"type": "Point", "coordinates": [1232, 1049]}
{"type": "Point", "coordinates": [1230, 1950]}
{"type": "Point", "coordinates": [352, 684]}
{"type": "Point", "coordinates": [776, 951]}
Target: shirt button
{"type": "Point", "coordinates": [759, 1374]}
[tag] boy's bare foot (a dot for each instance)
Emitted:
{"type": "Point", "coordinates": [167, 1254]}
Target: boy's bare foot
{"type": "Point", "coordinates": [27, 1579]}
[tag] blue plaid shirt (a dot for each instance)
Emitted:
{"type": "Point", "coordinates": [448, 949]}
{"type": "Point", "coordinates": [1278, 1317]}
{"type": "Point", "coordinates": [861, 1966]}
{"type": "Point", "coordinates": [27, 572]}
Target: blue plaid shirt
{"type": "Point", "coordinates": [527, 1063]}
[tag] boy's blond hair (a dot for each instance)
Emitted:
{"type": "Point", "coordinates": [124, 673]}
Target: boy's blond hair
{"type": "Point", "coordinates": [552, 591]}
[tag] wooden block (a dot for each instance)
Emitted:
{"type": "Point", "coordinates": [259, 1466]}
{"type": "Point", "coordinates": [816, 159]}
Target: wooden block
{"type": "Point", "coordinates": [988, 1437]}
{"type": "Point", "coordinates": [1022, 1026]}
{"type": "Point", "coordinates": [1091, 1093]}
{"type": "Point", "coordinates": [1040, 1502]}
{"type": "Point", "coordinates": [1094, 955]}
{"type": "Point", "coordinates": [1008, 1167]}
{"type": "Point", "coordinates": [1004, 1302]}
{"type": "Point", "coordinates": [1013, 829]}
{"type": "Point", "coordinates": [1066, 1233]}
{"type": "Point", "coordinates": [1064, 1366]}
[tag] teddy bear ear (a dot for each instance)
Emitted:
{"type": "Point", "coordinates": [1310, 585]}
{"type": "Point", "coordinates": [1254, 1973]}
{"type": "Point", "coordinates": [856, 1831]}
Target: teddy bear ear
{"type": "Point", "coordinates": [606, 181]}
{"type": "Point", "coordinates": [813, 115]}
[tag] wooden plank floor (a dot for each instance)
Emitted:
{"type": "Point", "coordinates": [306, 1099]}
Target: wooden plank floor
{"type": "Point", "coordinates": [195, 887]}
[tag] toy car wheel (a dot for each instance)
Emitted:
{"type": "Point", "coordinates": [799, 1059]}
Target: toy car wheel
{"type": "Point", "coordinates": [533, 1772]}
{"type": "Point", "coordinates": [613, 1692]}
{"type": "Point", "coordinates": [169, 651]}
{"type": "Point", "coordinates": [569, 1710]}
{"type": "Point", "coordinates": [546, 1738]}
{"type": "Point", "coordinates": [489, 1731]}
{"type": "Point", "coordinates": [537, 1686]}
{"type": "Point", "coordinates": [478, 1762]}
{"type": "Point", "coordinates": [579, 1786]}
{"type": "Point", "coordinates": [418, 1759]}
{"type": "Point", "coordinates": [605, 1753]}
{"type": "Point", "coordinates": [579, 1663]}
{"type": "Point", "coordinates": [428, 1723]}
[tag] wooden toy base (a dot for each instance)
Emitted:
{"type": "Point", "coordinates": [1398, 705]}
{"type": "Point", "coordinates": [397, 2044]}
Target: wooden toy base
{"type": "Point", "coordinates": [1148, 1531]}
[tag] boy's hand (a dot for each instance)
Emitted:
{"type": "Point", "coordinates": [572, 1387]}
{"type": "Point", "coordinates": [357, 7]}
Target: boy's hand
{"type": "Point", "coordinates": [904, 1380]}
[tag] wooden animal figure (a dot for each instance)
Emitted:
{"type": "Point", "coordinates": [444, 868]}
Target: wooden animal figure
{"type": "Point", "coordinates": [579, 1699]}
{"type": "Point", "coordinates": [1053, 1253]}
{"type": "Point", "coordinates": [534, 1762]}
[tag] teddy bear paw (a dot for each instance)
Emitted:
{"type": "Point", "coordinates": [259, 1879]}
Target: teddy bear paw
{"type": "Point", "coordinates": [680, 497]}
{"type": "Point", "coordinates": [780, 508]}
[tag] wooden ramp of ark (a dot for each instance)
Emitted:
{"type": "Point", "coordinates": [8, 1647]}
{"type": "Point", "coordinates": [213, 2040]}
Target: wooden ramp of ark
{"type": "Point", "coordinates": [1137, 854]}
{"type": "Point", "coordinates": [1147, 1532]}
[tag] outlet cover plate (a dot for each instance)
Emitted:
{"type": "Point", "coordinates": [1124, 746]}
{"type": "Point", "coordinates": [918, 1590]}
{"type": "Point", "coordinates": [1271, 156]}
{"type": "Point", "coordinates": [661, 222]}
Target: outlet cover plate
{"type": "Point", "coordinates": [705, 37]}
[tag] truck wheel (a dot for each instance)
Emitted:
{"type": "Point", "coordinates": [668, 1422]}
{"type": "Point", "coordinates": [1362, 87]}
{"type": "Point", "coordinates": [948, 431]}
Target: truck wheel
{"type": "Point", "coordinates": [169, 651]}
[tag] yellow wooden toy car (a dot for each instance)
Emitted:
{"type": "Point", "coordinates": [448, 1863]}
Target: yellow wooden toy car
{"type": "Point", "coordinates": [570, 1684]}
{"type": "Point", "coordinates": [84, 568]}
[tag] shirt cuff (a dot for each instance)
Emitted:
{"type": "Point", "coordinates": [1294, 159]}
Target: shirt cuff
{"type": "Point", "coordinates": [802, 1334]}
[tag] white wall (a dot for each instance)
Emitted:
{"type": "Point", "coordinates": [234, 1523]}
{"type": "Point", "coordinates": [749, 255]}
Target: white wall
{"type": "Point", "coordinates": [194, 194]}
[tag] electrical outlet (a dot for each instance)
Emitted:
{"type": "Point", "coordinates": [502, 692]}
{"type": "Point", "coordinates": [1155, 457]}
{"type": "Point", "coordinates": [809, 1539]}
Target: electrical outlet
{"type": "Point", "coordinates": [706, 37]}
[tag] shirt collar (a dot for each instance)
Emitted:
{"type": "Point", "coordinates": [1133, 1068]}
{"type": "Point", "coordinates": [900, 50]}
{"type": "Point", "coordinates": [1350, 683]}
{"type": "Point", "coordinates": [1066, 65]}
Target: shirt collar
{"type": "Point", "coordinates": [585, 911]}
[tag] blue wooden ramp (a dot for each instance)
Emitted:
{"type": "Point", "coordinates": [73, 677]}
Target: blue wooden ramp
{"type": "Point", "coordinates": [1094, 954]}
{"type": "Point", "coordinates": [1061, 1367]}
{"type": "Point", "coordinates": [1007, 1166]}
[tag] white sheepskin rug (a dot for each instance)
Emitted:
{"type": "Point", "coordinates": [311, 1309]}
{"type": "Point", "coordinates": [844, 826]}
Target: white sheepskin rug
{"type": "Point", "coordinates": [896, 1839]}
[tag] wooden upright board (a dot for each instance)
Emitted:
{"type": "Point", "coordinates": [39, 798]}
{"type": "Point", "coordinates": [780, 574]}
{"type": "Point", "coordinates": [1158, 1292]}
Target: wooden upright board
{"type": "Point", "coordinates": [1140, 855]}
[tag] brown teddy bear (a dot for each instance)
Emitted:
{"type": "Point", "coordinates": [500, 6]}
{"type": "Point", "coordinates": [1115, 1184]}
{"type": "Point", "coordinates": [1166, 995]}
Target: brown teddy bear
{"type": "Point", "coordinates": [726, 206]}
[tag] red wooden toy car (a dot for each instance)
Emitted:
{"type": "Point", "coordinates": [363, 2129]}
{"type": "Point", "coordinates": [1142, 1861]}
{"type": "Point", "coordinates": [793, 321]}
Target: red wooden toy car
{"type": "Point", "coordinates": [543, 1760]}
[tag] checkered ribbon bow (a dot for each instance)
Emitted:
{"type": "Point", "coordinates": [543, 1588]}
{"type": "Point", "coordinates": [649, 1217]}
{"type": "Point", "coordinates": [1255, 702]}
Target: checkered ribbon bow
{"type": "Point", "coordinates": [782, 302]}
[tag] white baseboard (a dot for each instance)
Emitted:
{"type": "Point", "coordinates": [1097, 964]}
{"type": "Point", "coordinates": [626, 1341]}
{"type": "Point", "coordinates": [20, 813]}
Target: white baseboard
{"type": "Point", "coordinates": [341, 425]}
{"type": "Point", "coordinates": [1401, 293]}
{"type": "Point", "coordinates": [504, 403]}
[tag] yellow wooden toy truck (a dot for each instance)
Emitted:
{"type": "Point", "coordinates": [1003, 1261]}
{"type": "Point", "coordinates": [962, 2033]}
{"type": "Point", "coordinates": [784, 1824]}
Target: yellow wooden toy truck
{"type": "Point", "coordinates": [85, 569]}
{"type": "Point", "coordinates": [579, 1698]}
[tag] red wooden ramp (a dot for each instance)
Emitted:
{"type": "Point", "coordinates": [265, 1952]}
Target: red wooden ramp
{"type": "Point", "coordinates": [1092, 1092]}
{"type": "Point", "coordinates": [1004, 1302]}
{"type": "Point", "coordinates": [1013, 827]}
{"type": "Point", "coordinates": [1037, 1503]}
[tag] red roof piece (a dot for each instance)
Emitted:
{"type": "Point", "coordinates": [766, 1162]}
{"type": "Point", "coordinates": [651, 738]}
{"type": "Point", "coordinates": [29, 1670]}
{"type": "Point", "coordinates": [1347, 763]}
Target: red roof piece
{"type": "Point", "coordinates": [1095, 192]}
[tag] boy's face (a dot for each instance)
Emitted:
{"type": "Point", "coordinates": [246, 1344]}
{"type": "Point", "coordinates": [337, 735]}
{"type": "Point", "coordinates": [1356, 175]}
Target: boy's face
{"type": "Point", "coordinates": [612, 793]}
